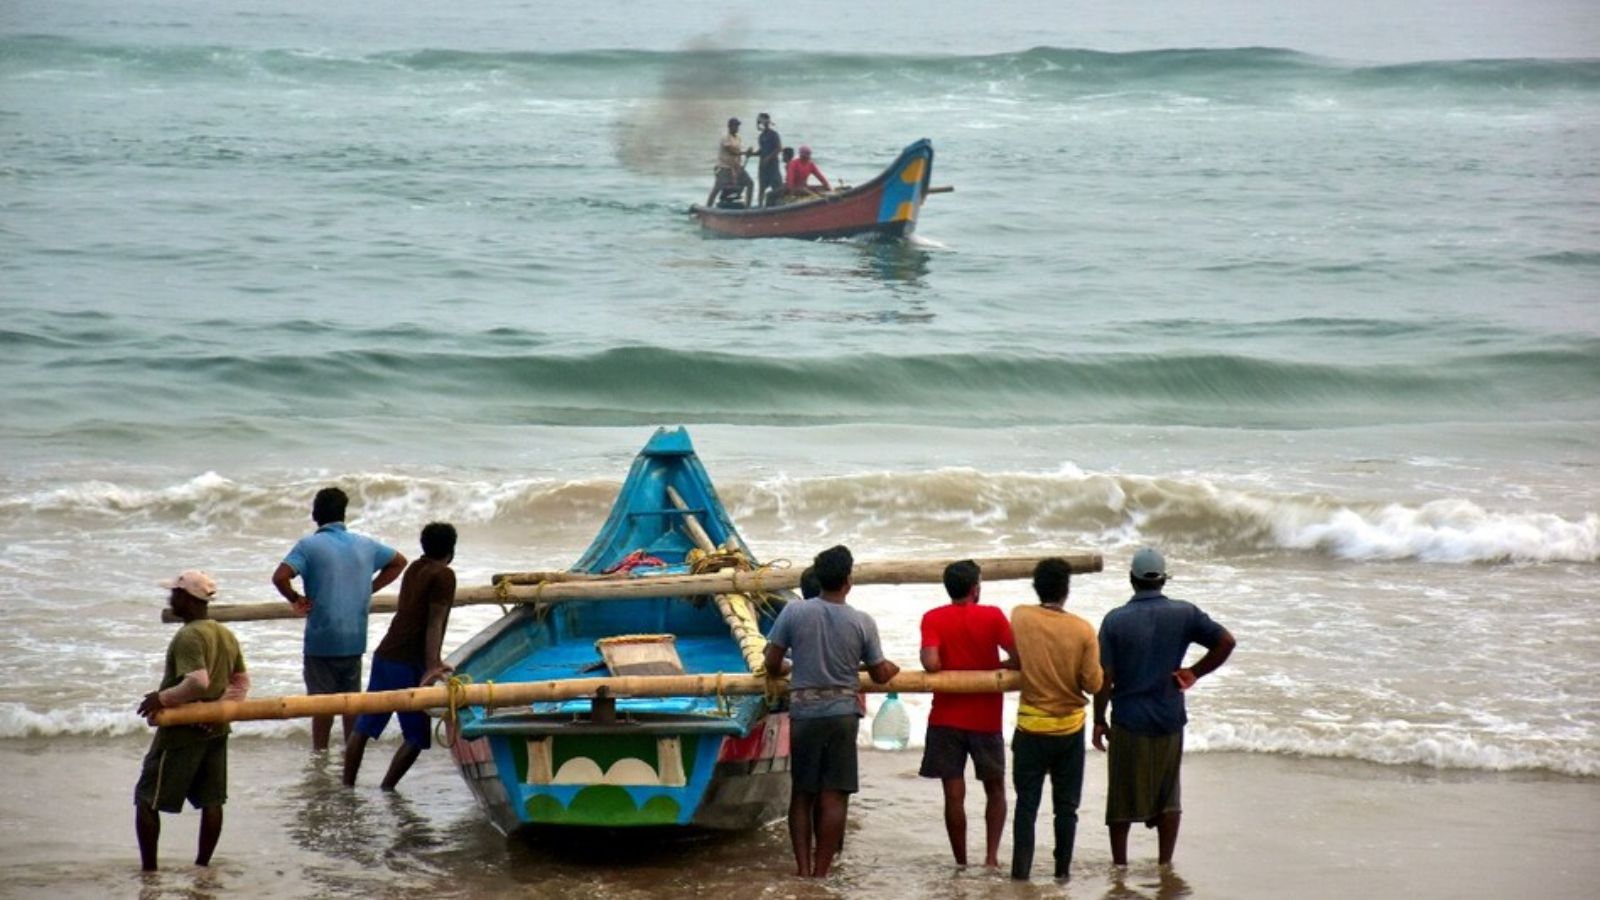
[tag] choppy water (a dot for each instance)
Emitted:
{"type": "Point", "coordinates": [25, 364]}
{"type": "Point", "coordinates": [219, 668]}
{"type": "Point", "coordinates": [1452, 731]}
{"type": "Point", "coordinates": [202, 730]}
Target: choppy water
{"type": "Point", "coordinates": [1312, 309]}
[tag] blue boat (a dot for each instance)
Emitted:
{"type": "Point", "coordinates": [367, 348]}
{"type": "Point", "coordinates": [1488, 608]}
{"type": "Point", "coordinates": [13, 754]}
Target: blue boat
{"type": "Point", "coordinates": [692, 761]}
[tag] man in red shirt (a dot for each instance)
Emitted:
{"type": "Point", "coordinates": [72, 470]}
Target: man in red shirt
{"type": "Point", "coordinates": [966, 636]}
{"type": "Point", "coordinates": [800, 172]}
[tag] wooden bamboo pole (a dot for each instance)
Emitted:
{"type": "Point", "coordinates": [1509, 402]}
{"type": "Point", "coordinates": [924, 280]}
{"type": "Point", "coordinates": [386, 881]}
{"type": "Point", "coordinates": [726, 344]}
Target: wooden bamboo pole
{"type": "Point", "coordinates": [691, 522]}
{"type": "Point", "coordinates": [553, 576]}
{"type": "Point", "coordinates": [728, 581]}
{"type": "Point", "coordinates": [737, 611]}
{"type": "Point", "coordinates": [492, 696]}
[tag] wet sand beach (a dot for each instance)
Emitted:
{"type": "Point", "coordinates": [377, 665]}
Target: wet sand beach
{"type": "Point", "coordinates": [1255, 826]}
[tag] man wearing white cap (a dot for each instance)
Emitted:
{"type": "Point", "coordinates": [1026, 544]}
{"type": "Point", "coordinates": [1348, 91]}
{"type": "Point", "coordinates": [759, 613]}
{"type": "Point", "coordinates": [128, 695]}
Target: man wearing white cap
{"type": "Point", "coordinates": [189, 761]}
{"type": "Point", "coordinates": [1142, 645]}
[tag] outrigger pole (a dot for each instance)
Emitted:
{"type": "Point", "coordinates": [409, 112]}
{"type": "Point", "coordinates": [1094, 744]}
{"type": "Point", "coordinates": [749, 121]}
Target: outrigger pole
{"type": "Point", "coordinates": [457, 694]}
{"type": "Point", "coordinates": [550, 587]}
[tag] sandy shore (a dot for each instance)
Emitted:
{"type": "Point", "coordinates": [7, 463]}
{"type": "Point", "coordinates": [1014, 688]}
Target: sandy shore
{"type": "Point", "coordinates": [1255, 826]}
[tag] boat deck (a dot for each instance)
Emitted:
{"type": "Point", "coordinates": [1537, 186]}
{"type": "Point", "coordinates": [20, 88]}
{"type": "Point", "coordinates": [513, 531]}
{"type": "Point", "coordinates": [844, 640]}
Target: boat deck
{"type": "Point", "coordinates": [578, 658]}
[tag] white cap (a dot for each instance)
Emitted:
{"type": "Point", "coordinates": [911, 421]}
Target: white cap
{"type": "Point", "coordinates": [195, 583]}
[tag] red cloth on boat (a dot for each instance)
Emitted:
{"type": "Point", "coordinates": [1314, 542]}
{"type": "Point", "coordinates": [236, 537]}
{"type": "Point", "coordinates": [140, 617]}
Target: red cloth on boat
{"type": "Point", "coordinates": [635, 560]}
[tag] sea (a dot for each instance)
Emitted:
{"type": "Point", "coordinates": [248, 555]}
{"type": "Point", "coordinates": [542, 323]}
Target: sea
{"type": "Point", "coordinates": [1305, 295]}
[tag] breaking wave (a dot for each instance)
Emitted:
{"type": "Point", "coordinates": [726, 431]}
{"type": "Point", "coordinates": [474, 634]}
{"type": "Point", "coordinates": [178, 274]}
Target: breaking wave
{"type": "Point", "coordinates": [952, 506]}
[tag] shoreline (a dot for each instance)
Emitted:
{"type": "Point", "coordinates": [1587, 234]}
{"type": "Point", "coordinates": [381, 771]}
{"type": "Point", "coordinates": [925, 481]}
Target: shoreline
{"type": "Point", "coordinates": [1256, 826]}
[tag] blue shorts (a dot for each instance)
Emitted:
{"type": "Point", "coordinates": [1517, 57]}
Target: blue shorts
{"type": "Point", "coordinates": [388, 675]}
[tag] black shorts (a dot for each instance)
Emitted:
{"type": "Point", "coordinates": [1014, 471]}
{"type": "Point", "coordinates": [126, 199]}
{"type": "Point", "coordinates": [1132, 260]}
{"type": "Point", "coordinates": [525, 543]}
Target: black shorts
{"type": "Point", "coordinates": [822, 754]}
{"type": "Point", "coordinates": [945, 755]}
{"type": "Point", "coordinates": [332, 674]}
{"type": "Point", "coordinates": [196, 772]}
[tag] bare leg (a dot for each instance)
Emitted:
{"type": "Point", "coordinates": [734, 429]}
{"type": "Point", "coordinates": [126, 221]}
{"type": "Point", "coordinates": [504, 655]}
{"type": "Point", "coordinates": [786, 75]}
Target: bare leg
{"type": "Point", "coordinates": [354, 750]}
{"type": "Point", "coordinates": [349, 723]}
{"type": "Point", "coordinates": [840, 851]}
{"type": "Point", "coordinates": [210, 831]}
{"type": "Point", "coordinates": [1167, 836]}
{"type": "Point", "coordinates": [321, 727]}
{"type": "Point", "coordinates": [830, 829]}
{"type": "Point", "coordinates": [147, 825]}
{"type": "Point", "coordinates": [815, 811]}
{"type": "Point", "coordinates": [711, 198]}
{"type": "Point", "coordinates": [955, 817]}
{"type": "Point", "coordinates": [403, 758]}
{"type": "Point", "coordinates": [994, 820]}
{"type": "Point", "coordinates": [1119, 842]}
{"type": "Point", "coordinates": [801, 807]}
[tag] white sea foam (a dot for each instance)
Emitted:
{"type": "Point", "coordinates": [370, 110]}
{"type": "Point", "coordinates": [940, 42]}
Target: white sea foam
{"type": "Point", "coordinates": [963, 504]}
{"type": "Point", "coordinates": [20, 721]}
{"type": "Point", "coordinates": [1397, 743]}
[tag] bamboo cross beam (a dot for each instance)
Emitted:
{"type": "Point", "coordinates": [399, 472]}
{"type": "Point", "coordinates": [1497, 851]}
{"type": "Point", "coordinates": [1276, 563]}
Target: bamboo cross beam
{"type": "Point", "coordinates": [491, 696]}
{"type": "Point", "coordinates": [727, 581]}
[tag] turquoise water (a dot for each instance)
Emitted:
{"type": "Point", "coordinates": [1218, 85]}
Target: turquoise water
{"type": "Point", "coordinates": [1225, 238]}
{"type": "Point", "coordinates": [1307, 297]}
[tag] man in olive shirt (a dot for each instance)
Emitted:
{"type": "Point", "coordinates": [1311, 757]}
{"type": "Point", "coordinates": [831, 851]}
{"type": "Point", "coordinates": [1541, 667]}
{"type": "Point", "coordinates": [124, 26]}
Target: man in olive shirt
{"type": "Point", "coordinates": [410, 653]}
{"type": "Point", "coordinates": [1060, 663]}
{"type": "Point", "coordinates": [189, 761]}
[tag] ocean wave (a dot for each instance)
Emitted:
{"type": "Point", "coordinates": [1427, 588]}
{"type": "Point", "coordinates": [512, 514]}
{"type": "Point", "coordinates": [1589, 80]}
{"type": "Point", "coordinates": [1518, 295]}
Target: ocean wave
{"type": "Point", "coordinates": [642, 385]}
{"type": "Point", "coordinates": [959, 507]}
{"type": "Point", "coordinates": [1393, 744]}
{"type": "Point", "coordinates": [1050, 70]}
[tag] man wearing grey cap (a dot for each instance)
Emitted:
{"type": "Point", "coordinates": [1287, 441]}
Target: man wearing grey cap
{"type": "Point", "coordinates": [1142, 645]}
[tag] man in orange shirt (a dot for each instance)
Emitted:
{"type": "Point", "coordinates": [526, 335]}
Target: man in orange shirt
{"type": "Point", "coordinates": [963, 635]}
{"type": "Point", "coordinates": [1060, 673]}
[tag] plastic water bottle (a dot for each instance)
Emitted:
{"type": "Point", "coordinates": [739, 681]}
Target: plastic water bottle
{"type": "Point", "coordinates": [891, 727]}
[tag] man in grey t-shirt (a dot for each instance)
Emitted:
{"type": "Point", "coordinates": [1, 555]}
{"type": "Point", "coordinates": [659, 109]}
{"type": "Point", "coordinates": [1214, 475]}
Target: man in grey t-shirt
{"type": "Point", "coordinates": [829, 642]}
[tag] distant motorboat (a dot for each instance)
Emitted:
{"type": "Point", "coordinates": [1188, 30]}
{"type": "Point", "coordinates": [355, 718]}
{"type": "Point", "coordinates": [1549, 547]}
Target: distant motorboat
{"type": "Point", "coordinates": [886, 206]}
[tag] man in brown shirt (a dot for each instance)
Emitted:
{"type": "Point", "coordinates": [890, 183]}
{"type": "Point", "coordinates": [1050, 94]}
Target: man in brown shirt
{"type": "Point", "coordinates": [409, 655]}
{"type": "Point", "coordinates": [1060, 662]}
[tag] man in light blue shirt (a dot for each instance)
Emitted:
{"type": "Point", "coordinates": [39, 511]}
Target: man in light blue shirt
{"type": "Point", "coordinates": [336, 567]}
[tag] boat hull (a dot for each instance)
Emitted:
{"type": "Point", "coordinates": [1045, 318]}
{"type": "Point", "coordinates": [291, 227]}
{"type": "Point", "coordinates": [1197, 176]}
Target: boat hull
{"type": "Point", "coordinates": [745, 783]}
{"type": "Point", "coordinates": [887, 206]}
{"type": "Point", "coordinates": [677, 762]}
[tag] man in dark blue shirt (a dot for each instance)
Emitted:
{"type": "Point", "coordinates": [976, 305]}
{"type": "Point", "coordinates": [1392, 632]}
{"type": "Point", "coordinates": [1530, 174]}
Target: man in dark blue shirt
{"type": "Point", "coordinates": [769, 149]}
{"type": "Point", "coordinates": [1142, 644]}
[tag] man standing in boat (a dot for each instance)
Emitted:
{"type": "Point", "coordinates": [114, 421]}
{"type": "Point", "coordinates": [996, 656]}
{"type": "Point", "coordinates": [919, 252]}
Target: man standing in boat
{"type": "Point", "coordinates": [1142, 644]}
{"type": "Point", "coordinates": [769, 166]}
{"type": "Point", "coordinates": [829, 641]}
{"type": "Point", "coordinates": [410, 654]}
{"type": "Point", "coordinates": [189, 761]}
{"type": "Point", "coordinates": [964, 635]}
{"type": "Point", "coordinates": [729, 175]}
{"type": "Point", "coordinates": [340, 571]}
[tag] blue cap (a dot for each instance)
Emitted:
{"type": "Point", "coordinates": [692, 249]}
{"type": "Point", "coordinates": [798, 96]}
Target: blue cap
{"type": "Point", "coordinates": [1148, 564]}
